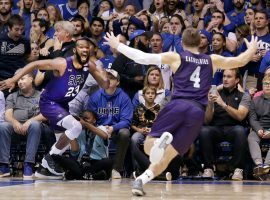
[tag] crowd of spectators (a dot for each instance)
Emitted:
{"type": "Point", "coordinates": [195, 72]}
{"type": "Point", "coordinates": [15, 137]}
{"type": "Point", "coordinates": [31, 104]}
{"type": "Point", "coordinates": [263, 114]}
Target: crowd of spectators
{"type": "Point", "coordinates": [237, 112]}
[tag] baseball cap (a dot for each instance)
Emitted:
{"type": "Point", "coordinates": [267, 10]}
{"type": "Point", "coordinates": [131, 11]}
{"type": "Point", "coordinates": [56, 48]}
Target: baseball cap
{"type": "Point", "coordinates": [113, 73]}
{"type": "Point", "coordinates": [136, 33]}
{"type": "Point", "coordinates": [206, 34]}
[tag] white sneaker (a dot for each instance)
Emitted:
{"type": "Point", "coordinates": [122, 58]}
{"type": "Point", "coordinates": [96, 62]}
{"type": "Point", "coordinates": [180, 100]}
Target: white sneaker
{"type": "Point", "coordinates": [237, 175]}
{"type": "Point", "coordinates": [116, 174]}
{"type": "Point", "coordinates": [208, 173]}
{"type": "Point", "coordinates": [158, 149]}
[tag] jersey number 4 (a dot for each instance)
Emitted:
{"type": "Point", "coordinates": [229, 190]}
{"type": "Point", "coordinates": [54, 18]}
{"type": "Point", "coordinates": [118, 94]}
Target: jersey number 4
{"type": "Point", "coordinates": [72, 91]}
{"type": "Point", "coordinates": [195, 77]}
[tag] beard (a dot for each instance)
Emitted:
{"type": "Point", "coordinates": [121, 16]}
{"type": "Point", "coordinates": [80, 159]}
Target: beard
{"type": "Point", "coordinates": [5, 12]}
{"type": "Point", "coordinates": [239, 5]}
{"type": "Point", "coordinates": [142, 47]}
{"type": "Point", "coordinates": [79, 59]}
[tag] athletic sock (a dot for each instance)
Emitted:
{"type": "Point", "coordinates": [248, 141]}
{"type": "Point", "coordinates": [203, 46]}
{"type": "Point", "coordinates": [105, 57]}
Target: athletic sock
{"type": "Point", "coordinates": [54, 150]}
{"type": "Point", "coordinates": [147, 176]}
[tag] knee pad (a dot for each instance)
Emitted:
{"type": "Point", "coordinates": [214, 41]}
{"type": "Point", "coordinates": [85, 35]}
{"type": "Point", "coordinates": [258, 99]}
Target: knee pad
{"type": "Point", "coordinates": [72, 126]}
{"type": "Point", "coordinates": [75, 131]}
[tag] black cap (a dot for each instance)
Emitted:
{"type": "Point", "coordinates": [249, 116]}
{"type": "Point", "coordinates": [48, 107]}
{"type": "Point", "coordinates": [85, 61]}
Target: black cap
{"type": "Point", "coordinates": [87, 39]}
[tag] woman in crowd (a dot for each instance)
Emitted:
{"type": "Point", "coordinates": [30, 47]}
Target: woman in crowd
{"type": "Point", "coordinates": [153, 78]}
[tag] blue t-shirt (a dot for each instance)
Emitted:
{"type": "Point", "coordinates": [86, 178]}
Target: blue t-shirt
{"type": "Point", "coordinates": [265, 62]}
{"type": "Point", "coordinates": [253, 67]}
{"type": "Point", "coordinates": [67, 12]}
{"type": "Point", "coordinates": [236, 18]}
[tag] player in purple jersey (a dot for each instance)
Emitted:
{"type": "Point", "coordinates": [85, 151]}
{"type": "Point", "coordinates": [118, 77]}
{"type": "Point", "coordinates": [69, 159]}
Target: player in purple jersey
{"type": "Point", "coordinates": [69, 77]}
{"type": "Point", "coordinates": [179, 122]}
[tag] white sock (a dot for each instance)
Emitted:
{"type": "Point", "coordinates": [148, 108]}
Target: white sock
{"type": "Point", "coordinates": [55, 151]}
{"type": "Point", "coordinates": [147, 176]}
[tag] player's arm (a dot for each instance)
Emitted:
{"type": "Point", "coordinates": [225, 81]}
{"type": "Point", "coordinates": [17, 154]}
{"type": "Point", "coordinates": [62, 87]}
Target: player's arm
{"type": "Point", "coordinates": [170, 58]}
{"type": "Point", "coordinates": [99, 75]}
{"type": "Point", "coordinates": [58, 64]}
{"type": "Point", "coordinates": [235, 62]}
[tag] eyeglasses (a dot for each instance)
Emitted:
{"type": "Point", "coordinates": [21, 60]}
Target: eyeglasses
{"type": "Point", "coordinates": [266, 83]}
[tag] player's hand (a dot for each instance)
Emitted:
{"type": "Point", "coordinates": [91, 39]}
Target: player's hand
{"type": "Point", "coordinates": [253, 44]}
{"type": "Point", "coordinates": [7, 84]}
{"type": "Point", "coordinates": [112, 40]}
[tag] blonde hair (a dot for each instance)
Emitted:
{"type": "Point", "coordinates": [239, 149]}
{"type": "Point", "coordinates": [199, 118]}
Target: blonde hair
{"type": "Point", "coordinates": [191, 37]}
{"type": "Point", "coordinates": [66, 25]}
{"type": "Point", "coordinates": [149, 88]}
{"type": "Point", "coordinates": [161, 83]}
{"type": "Point", "coordinates": [266, 77]}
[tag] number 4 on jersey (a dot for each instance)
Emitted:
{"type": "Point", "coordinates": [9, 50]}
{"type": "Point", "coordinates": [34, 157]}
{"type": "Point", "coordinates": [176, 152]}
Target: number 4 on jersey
{"type": "Point", "coordinates": [195, 77]}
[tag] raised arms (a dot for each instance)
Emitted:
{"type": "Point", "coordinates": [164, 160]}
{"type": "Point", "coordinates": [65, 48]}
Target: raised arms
{"type": "Point", "coordinates": [235, 62]}
{"type": "Point", "coordinates": [170, 58]}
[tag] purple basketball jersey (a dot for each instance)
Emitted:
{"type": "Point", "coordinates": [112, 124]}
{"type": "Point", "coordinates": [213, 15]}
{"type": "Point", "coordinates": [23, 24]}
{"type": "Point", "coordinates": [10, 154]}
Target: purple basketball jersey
{"type": "Point", "coordinates": [63, 89]}
{"type": "Point", "coordinates": [193, 78]}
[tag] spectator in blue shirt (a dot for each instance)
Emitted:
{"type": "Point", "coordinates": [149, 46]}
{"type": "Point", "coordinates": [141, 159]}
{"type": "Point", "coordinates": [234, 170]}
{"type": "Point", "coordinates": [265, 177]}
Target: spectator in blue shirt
{"type": "Point", "coordinates": [114, 110]}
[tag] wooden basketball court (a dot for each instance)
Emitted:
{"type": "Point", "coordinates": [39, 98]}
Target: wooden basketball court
{"type": "Point", "coordinates": [121, 189]}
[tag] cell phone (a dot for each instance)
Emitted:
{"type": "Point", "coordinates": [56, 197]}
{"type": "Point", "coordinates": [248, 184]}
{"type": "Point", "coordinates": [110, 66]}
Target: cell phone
{"type": "Point", "coordinates": [213, 90]}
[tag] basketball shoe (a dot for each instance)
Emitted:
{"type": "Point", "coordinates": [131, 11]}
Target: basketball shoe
{"type": "Point", "coordinates": [54, 168]}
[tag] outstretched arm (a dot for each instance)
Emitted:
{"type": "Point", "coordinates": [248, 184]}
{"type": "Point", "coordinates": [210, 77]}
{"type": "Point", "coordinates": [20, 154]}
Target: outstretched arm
{"type": "Point", "coordinates": [99, 75]}
{"type": "Point", "coordinates": [235, 62]}
{"type": "Point", "coordinates": [170, 58]}
{"type": "Point", "coordinates": [58, 64]}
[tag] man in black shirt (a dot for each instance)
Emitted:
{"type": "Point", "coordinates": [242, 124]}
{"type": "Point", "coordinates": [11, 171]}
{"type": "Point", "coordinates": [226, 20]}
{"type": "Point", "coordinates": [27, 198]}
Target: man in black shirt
{"type": "Point", "coordinates": [224, 117]}
{"type": "Point", "coordinates": [15, 49]}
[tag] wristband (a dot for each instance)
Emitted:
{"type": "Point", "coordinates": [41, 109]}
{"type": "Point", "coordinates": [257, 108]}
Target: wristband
{"type": "Point", "coordinates": [201, 18]}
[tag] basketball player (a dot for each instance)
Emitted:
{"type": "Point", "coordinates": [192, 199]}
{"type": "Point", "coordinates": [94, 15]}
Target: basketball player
{"type": "Point", "coordinates": [179, 122]}
{"type": "Point", "coordinates": [69, 77]}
